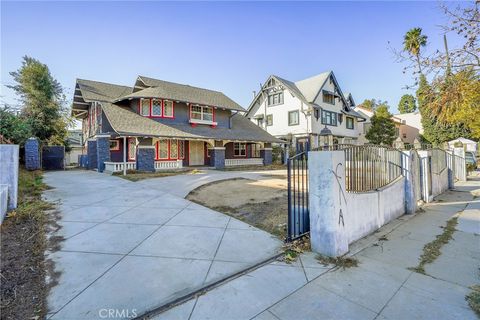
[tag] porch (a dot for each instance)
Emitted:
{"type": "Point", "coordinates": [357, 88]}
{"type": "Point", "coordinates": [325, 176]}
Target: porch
{"type": "Point", "coordinates": [120, 154]}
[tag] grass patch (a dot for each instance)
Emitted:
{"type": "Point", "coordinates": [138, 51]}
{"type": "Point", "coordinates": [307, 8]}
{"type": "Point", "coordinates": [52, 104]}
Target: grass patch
{"type": "Point", "coordinates": [431, 250]}
{"type": "Point", "coordinates": [133, 175]}
{"type": "Point", "coordinates": [343, 262]}
{"type": "Point", "coordinates": [24, 241]}
{"type": "Point", "coordinates": [473, 299]}
{"type": "Point", "coordinates": [256, 168]}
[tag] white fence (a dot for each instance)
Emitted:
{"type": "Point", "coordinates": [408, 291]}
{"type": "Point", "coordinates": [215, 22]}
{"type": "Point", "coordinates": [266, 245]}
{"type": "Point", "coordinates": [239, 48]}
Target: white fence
{"type": "Point", "coordinates": [165, 165]}
{"type": "Point", "coordinates": [243, 162]}
{"type": "Point", "coordinates": [111, 167]}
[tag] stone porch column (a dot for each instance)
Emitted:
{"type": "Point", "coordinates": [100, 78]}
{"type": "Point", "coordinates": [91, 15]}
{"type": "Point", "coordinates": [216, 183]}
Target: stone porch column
{"type": "Point", "coordinates": [92, 153]}
{"type": "Point", "coordinates": [32, 154]}
{"type": "Point", "coordinates": [218, 157]}
{"type": "Point", "coordinates": [146, 158]}
{"type": "Point", "coordinates": [103, 151]}
{"type": "Point", "coordinates": [266, 154]}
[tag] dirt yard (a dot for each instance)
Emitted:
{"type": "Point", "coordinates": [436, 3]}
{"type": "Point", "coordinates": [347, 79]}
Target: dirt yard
{"type": "Point", "coordinates": [261, 203]}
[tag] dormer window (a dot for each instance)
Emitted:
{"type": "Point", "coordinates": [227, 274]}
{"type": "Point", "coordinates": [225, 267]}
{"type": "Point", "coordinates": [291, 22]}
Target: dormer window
{"type": "Point", "coordinates": [156, 108]}
{"type": "Point", "coordinates": [328, 97]}
{"type": "Point", "coordinates": [145, 107]}
{"type": "Point", "coordinates": [275, 98]}
{"type": "Point", "coordinates": [202, 115]}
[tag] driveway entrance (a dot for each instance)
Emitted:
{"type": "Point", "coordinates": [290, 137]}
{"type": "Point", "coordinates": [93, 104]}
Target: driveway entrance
{"type": "Point", "coordinates": [133, 247]}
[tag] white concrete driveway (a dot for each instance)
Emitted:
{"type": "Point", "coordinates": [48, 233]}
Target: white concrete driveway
{"type": "Point", "coordinates": [134, 246]}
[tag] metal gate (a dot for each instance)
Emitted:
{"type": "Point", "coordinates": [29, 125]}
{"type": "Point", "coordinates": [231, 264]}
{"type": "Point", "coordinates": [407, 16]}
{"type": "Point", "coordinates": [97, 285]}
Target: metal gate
{"type": "Point", "coordinates": [53, 157]}
{"type": "Point", "coordinates": [298, 207]}
{"type": "Point", "coordinates": [426, 177]}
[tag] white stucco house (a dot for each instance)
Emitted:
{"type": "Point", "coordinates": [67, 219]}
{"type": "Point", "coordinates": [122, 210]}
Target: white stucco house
{"type": "Point", "coordinates": [467, 144]}
{"type": "Point", "coordinates": [408, 126]}
{"type": "Point", "coordinates": [297, 111]}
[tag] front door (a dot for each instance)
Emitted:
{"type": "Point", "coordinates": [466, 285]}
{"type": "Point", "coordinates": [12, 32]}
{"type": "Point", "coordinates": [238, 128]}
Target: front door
{"type": "Point", "coordinates": [196, 153]}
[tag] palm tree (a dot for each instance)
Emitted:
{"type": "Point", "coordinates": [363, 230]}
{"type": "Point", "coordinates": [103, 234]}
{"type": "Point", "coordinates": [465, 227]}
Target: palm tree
{"type": "Point", "coordinates": [413, 41]}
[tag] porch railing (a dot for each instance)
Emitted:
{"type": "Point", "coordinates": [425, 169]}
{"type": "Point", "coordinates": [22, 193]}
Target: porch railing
{"type": "Point", "coordinates": [111, 167]}
{"type": "Point", "coordinates": [173, 164]}
{"type": "Point", "coordinates": [243, 162]}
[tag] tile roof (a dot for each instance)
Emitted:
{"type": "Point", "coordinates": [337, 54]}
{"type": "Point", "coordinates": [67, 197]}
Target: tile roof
{"type": "Point", "coordinates": [181, 92]}
{"type": "Point", "coordinates": [125, 121]}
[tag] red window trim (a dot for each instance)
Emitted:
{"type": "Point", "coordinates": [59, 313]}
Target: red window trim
{"type": "Point", "coordinates": [150, 115]}
{"type": "Point", "coordinates": [157, 150]}
{"type": "Point", "coordinates": [213, 115]}
{"type": "Point", "coordinates": [128, 150]}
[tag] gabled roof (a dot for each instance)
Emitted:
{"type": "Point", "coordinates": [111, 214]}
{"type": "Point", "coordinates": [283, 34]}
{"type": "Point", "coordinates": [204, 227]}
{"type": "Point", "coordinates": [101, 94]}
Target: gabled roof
{"type": "Point", "coordinates": [124, 121]}
{"type": "Point", "coordinates": [310, 87]}
{"type": "Point", "coordinates": [306, 90]}
{"type": "Point", "coordinates": [87, 91]}
{"type": "Point", "coordinates": [101, 91]}
{"type": "Point", "coordinates": [155, 88]}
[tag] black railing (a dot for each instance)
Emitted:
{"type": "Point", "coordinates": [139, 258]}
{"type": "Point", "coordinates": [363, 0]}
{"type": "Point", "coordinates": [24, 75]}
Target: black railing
{"type": "Point", "coordinates": [298, 206]}
{"type": "Point", "coordinates": [369, 167]}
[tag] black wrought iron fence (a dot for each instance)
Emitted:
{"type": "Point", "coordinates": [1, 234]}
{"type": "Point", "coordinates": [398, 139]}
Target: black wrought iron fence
{"type": "Point", "coordinates": [369, 167]}
{"type": "Point", "coordinates": [298, 206]}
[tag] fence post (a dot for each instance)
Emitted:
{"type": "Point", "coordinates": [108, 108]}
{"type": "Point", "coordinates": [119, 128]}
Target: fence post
{"type": "Point", "coordinates": [409, 172]}
{"type": "Point", "coordinates": [327, 202]}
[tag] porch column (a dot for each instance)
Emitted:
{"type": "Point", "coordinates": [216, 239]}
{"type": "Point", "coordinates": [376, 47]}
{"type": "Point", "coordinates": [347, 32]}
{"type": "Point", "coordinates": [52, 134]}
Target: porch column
{"type": "Point", "coordinates": [218, 157]}
{"type": "Point", "coordinates": [266, 154]}
{"type": "Point", "coordinates": [146, 158]}
{"type": "Point", "coordinates": [103, 151]}
{"type": "Point", "coordinates": [92, 153]}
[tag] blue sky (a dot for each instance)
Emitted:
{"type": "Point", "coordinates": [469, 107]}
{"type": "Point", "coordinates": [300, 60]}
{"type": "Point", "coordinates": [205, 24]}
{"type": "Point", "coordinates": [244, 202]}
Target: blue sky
{"type": "Point", "coordinates": [227, 46]}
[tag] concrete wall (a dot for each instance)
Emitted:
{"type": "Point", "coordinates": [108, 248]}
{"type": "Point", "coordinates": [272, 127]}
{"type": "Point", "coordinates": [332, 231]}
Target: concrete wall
{"type": "Point", "coordinates": [337, 217]}
{"type": "Point", "coordinates": [439, 182]}
{"type": "Point", "coordinates": [9, 173]}
{"type": "Point", "coordinates": [3, 201]}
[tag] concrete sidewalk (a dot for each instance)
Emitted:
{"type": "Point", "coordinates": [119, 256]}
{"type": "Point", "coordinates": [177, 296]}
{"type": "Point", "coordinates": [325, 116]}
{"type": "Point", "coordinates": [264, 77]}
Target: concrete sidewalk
{"type": "Point", "coordinates": [132, 247]}
{"type": "Point", "coordinates": [381, 287]}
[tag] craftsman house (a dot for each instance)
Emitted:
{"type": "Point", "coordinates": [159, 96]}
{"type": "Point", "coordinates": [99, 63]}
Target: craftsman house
{"type": "Point", "coordinates": [163, 125]}
{"type": "Point", "coordinates": [298, 111]}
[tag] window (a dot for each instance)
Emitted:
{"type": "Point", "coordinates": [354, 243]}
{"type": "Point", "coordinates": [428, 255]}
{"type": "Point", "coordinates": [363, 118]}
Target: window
{"type": "Point", "coordinates": [260, 122]}
{"type": "Point", "coordinates": [167, 109]}
{"type": "Point", "coordinates": [132, 148]}
{"type": "Point", "coordinates": [162, 149]}
{"type": "Point", "coordinates": [255, 150]}
{"type": "Point", "coordinates": [114, 145]}
{"type": "Point", "coordinates": [173, 149]}
{"type": "Point", "coordinates": [269, 119]}
{"type": "Point", "coordinates": [316, 113]}
{"type": "Point", "coordinates": [181, 149]}
{"type": "Point", "coordinates": [349, 123]}
{"type": "Point", "coordinates": [293, 118]}
{"type": "Point", "coordinates": [167, 149]}
{"type": "Point", "coordinates": [329, 118]}
{"type": "Point", "coordinates": [202, 113]}
{"type": "Point", "coordinates": [328, 97]}
{"type": "Point", "coordinates": [397, 131]}
{"type": "Point", "coordinates": [239, 149]}
{"type": "Point", "coordinates": [404, 136]}
{"type": "Point", "coordinates": [156, 108]}
{"type": "Point", "coordinates": [275, 98]}
{"type": "Point", "coordinates": [145, 107]}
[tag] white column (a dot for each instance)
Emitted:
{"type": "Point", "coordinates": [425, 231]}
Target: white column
{"type": "Point", "coordinates": [327, 202]}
